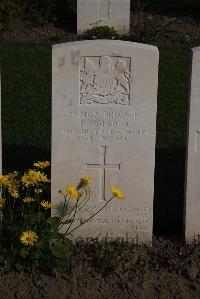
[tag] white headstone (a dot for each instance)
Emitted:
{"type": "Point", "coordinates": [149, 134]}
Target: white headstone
{"type": "Point", "coordinates": [104, 127]}
{"type": "Point", "coordinates": [112, 13]}
{"type": "Point", "coordinates": [192, 221]}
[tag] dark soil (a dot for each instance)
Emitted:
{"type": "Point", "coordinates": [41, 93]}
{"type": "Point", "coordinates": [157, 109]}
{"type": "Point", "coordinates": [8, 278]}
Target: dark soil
{"type": "Point", "coordinates": [165, 270]}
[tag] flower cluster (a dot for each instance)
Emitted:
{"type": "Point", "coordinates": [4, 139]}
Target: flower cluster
{"type": "Point", "coordinates": [11, 183]}
{"type": "Point", "coordinates": [41, 165]}
{"type": "Point", "coordinates": [28, 199]}
{"type": "Point", "coordinates": [34, 177]}
{"type": "Point", "coordinates": [46, 204]}
{"type": "Point", "coordinates": [42, 240]}
{"type": "Point", "coordinates": [29, 188]}
{"type": "Point", "coordinates": [31, 184]}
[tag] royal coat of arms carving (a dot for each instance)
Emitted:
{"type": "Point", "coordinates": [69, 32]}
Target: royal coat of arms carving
{"type": "Point", "coordinates": [105, 80]}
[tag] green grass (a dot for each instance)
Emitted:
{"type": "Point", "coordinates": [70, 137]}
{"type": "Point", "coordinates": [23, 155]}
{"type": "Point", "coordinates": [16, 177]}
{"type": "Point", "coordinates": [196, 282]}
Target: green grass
{"type": "Point", "coordinates": [26, 94]}
{"type": "Point", "coordinates": [26, 101]}
{"type": "Point", "coordinates": [172, 96]}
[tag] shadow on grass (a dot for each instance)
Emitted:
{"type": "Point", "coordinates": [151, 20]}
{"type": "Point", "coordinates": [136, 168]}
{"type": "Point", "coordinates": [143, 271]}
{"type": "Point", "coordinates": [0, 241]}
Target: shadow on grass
{"type": "Point", "coordinates": [22, 157]}
{"type": "Point", "coordinates": [66, 15]}
{"type": "Point", "coordinates": [169, 192]}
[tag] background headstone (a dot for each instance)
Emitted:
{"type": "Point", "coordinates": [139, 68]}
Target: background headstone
{"type": "Point", "coordinates": [192, 221]}
{"type": "Point", "coordinates": [104, 127]}
{"type": "Point", "coordinates": [112, 13]}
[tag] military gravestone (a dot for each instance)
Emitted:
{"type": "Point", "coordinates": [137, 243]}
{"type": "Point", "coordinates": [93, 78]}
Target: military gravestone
{"type": "Point", "coordinates": [192, 222]}
{"type": "Point", "coordinates": [112, 13]}
{"type": "Point", "coordinates": [104, 127]}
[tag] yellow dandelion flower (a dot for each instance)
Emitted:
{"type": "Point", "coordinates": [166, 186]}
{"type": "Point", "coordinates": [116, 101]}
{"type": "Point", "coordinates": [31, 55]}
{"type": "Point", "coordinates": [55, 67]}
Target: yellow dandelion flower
{"type": "Point", "coordinates": [33, 177]}
{"type": "Point", "coordinates": [46, 204]}
{"type": "Point", "coordinates": [28, 199]}
{"type": "Point", "coordinates": [72, 192]}
{"type": "Point", "coordinates": [42, 165]}
{"type": "Point", "coordinates": [12, 184]}
{"type": "Point", "coordinates": [29, 238]}
{"type": "Point", "coordinates": [38, 191]}
{"type": "Point", "coordinates": [43, 178]}
{"type": "Point", "coordinates": [85, 181]}
{"type": "Point", "coordinates": [2, 202]}
{"type": "Point", "coordinates": [3, 180]}
{"type": "Point", "coordinates": [117, 192]}
{"type": "Point", "coordinates": [14, 192]}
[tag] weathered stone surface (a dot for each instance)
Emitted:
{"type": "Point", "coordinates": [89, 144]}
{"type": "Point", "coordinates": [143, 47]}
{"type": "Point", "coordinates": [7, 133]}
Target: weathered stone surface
{"type": "Point", "coordinates": [192, 221]}
{"type": "Point", "coordinates": [104, 127]}
{"type": "Point", "coordinates": [113, 13]}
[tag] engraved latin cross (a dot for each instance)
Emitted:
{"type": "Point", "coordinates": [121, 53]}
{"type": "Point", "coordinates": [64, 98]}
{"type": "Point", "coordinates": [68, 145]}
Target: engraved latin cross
{"type": "Point", "coordinates": [103, 166]}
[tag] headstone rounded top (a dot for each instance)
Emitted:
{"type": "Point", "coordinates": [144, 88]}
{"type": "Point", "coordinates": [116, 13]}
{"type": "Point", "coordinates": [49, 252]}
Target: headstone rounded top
{"type": "Point", "coordinates": [106, 42]}
{"type": "Point", "coordinates": [196, 49]}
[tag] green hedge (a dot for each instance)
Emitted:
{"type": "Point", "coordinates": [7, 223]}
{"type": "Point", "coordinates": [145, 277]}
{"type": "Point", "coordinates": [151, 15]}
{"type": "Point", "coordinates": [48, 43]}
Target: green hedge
{"type": "Point", "coordinates": [167, 4]}
{"type": "Point", "coordinates": [40, 12]}
{"type": "Point", "coordinates": [35, 11]}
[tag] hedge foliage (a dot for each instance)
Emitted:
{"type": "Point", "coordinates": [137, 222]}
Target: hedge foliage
{"type": "Point", "coordinates": [34, 11]}
{"type": "Point", "coordinates": [41, 12]}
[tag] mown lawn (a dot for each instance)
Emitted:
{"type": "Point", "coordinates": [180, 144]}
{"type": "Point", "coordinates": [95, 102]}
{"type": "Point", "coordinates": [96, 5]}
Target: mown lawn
{"type": "Point", "coordinates": [26, 102]}
{"type": "Point", "coordinates": [26, 120]}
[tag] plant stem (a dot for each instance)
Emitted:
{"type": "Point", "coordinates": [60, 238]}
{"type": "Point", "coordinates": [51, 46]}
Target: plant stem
{"type": "Point", "coordinates": [89, 217]}
{"type": "Point", "coordinates": [73, 216]}
{"type": "Point", "coordinates": [85, 200]}
{"type": "Point", "coordinates": [76, 205]}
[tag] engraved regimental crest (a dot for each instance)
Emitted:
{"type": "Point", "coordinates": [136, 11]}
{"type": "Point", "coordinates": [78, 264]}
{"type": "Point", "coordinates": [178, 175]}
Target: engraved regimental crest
{"type": "Point", "coordinates": [105, 80]}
